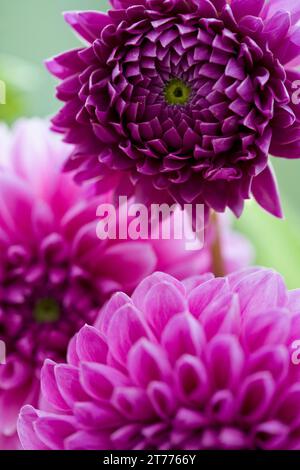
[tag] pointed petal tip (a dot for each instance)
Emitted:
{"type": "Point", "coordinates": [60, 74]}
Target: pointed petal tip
{"type": "Point", "coordinates": [266, 193]}
{"type": "Point", "coordinates": [69, 15]}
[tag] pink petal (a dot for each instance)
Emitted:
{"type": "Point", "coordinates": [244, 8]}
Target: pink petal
{"type": "Point", "coordinates": [67, 379]}
{"type": "Point", "coordinates": [90, 345]}
{"type": "Point", "coordinates": [225, 349]}
{"type": "Point", "coordinates": [85, 440]}
{"type": "Point", "coordinates": [147, 363]}
{"type": "Point", "coordinates": [256, 396]}
{"type": "Point", "coordinates": [142, 290]}
{"type": "Point", "coordinates": [192, 381]}
{"type": "Point", "coordinates": [125, 329]}
{"type": "Point", "coordinates": [49, 386]}
{"type": "Point", "coordinates": [202, 295]}
{"type": "Point", "coordinates": [88, 24]}
{"type": "Point", "coordinates": [259, 290]}
{"type": "Point", "coordinates": [53, 430]}
{"type": "Point", "coordinates": [161, 303]}
{"type": "Point", "coordinates": [266, 193]}
{"type": "Point", "coordinates": [99, 380]}
{"type": "Point", "coordinates": [183, 335]}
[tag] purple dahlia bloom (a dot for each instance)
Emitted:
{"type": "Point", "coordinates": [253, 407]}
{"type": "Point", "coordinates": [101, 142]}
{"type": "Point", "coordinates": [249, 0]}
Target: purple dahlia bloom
{"type": "Point", "coordinates": [182, 100]}
{"type": "Point", "coordinates": [200, 364]}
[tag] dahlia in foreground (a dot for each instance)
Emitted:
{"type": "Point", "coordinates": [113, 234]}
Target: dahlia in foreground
{"type": "Point", "coordinates": [182, 100]}
{"type": "Point", "coordinates": [200, 364]}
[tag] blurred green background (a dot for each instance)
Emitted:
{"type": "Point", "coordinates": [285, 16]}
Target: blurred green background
{"type": "Point", "coordinates": [32, 30]}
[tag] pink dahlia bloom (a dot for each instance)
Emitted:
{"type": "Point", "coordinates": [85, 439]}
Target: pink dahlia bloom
{"type": "Point", "coordinates": [183, 100]}
{"type": "Point", "coordinates": [54, 272]}
{"type": "Point", "coordinates": [200, 364]}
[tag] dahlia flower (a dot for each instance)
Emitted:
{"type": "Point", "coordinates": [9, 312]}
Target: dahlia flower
{"type": "Point", "coordinates": [182, 100]}
{"type": "Point", "coordinates": [54, 273]}
{"type": "Point", "coordinates": [200, 364]}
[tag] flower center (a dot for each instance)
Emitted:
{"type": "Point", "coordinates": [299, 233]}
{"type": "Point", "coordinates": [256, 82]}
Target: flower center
{"type": "Point", "coordinates": [46, 311]}
{"type": "Point", "coordinates": [177, 92]}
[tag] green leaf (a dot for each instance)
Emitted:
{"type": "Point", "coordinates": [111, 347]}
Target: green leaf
{"type": "Point", "coordinates": [18, 80]}
{"type": "Point", "coordinates": [277, 242]}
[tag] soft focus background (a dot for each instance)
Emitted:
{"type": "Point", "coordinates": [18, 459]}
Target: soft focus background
{"type": "Point", "coordinates": [32, 30]}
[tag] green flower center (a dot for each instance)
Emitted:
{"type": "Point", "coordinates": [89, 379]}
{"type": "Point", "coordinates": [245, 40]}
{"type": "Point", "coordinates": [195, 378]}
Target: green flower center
{"type": "Point", "coordinates": [177, 92]}
{"type": "Point", "coordinates": [46, 311]}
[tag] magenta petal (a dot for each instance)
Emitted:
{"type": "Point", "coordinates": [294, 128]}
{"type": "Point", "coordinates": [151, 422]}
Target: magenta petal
{"type": "Point", "coordinates": [221, 316]}
{"type": "Point", "coordinates": [67, 378]}
{"type": "Point", "coordinates": [259, 290]}
{"type": "Point", "coordinates": [90, 345]}
{"type": "Point", "coordinates": [192, 380]}
{"type": "Point", "coordinates": [49, 386]}
{"type": "Point", "coordinates": [88, 24]}
{"type": "Point", "coordinates": [227, 347]}
{"type": "Point", "coordinates": [162, 399]}
{"type": "Point", "coordinates": [72, 355]}
{"type": "Point", "coordinates": [133, 402]}
{"type": "Point", "coordinates": [256, 397]}
{"type": "Point", "coordinates": [26, 430]}
{"type": "Point", "coordinates": [139, 259]}
{"type": "Point", "coordinates": [183, 335]}
{"type": "Point", "coordinates": [94, 415]}
{"type": "Point", "coordinates": [85, 440]}
{"type": "Point", "coordinates": [115, 302]}
{"type": "Point", "coordinates": [201, 297]}
{"type": "Point", "coordinates": [140, 293]}
{"type": "Point", "coordinates": [294, 300]}
{"type": "Point", "coordinates": [147, 363]}
{"type": "Point", "coordinates": [53, 430]}
{"type": "Point", "coordinates": [162, 302]}
{"type": "Point", "coordinates": [265, 191]}
{"type": "Point", "coordinates": [60, 66]}
{"type": "Point", "coordinates": [246, 7]}
{"type": "Point", "coordinates": [273, 358]}
{"type": "Point", "coordinates": [125, 329]}
{"type": "Point", "coordinates": [271, 435]}
{"type": "Point", "coordinates": [99, 380]}
{"type": "Point", "coordinates": [287, 408]}
{"type": "Point", "coordinates": [11, 402]}
{"type": "Point", "coordinates": [260, 329]}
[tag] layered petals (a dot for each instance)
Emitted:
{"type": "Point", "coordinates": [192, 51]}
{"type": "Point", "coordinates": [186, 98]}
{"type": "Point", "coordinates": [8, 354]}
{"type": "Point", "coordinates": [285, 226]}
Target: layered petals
{"type": "Point", "coordinates": [183, 100]}
{"type": "Point", "coordinates": [208, 365]}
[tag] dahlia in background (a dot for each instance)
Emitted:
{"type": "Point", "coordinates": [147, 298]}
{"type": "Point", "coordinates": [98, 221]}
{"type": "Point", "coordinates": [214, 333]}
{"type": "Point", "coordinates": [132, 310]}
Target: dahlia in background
{"type": "Point", "coordinates": [182, 100]}
{"type": "Point", "coordinates": [55, 274]}
{"type": "Point", "coordinates": [200, 364]}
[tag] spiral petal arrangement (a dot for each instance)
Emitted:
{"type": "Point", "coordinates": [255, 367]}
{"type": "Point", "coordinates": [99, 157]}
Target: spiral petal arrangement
{"type": "Point", "coordinates": [182, 100]}
{"type": "Point", "coordinates": [203, 364]}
